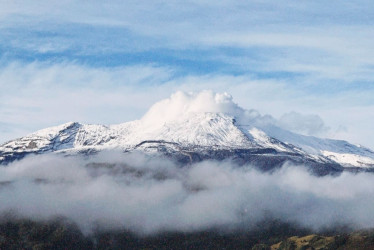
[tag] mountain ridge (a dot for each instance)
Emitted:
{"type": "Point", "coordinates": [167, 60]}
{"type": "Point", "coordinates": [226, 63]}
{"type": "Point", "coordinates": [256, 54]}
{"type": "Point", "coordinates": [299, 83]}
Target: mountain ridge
{"type": "Point", "coordinates": [194, 137]}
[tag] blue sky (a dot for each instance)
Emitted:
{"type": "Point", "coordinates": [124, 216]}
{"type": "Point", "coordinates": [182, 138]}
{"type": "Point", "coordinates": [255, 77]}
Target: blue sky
{"type": "Point", "coordinates": [107, 62]}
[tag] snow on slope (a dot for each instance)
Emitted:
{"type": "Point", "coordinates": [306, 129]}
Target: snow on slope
{"type": "Point", "coordinates": [339, 151]}
{"type": "Point", "coordinates": [203, 129]}
{"type": "Point", "coordinates": [53, 138]}
{"type": "Point", "coordinates": [355, 160]}
{"type": "Point", "coordinates": [205, 119]}
{"type": "Point", "coordinates": [261, 138]}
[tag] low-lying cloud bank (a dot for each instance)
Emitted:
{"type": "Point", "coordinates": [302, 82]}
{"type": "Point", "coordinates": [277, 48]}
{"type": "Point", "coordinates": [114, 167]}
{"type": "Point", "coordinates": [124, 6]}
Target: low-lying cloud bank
{"type": "Point", "coordinates": [148, 194]}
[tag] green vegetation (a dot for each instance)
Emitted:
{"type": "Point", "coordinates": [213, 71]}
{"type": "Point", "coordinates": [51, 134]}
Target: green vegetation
{"type": "Point", "coordinates": [62, 234]}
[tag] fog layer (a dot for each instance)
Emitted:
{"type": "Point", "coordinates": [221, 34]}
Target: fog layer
{"type": "Point", "coordinates": [148, 194]}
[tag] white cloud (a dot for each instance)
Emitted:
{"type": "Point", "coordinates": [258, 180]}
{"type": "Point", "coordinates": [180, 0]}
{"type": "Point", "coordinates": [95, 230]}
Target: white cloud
{"type": "Point", "coordinates": [304, 124]}
{"type": "Point", "coordinates": [301, 38]}
{"type": "Point", "coordinates": [149, 194]}
{"type": "Point", "coordinates": [181, 103]}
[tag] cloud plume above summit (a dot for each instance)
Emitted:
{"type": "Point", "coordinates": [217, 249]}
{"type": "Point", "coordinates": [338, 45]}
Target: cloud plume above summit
{"type": "Point", "coordinates": [180, 104]}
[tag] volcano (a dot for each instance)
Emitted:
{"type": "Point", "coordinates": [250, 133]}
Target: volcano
{"type": "Point", "coordinates": [187, 131]}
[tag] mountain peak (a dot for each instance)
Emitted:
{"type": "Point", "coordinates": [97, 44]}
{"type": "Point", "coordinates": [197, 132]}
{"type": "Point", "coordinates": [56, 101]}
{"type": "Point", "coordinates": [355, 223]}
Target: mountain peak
{"type": "Point", "coordinates": [56, 130]}
{"type": "Point", "coordinates": [188, 123]}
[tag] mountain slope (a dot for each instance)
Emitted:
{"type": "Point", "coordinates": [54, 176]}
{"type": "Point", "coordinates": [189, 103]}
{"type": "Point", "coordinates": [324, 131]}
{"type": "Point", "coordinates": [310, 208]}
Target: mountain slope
{"type": "Point", "coordinates": [195, 127]}
{"type": "Point", "coordinates": [191, 137]}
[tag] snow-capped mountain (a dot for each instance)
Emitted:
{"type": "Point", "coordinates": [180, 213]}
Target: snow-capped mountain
{"type": "Point", "coordinates": [189, 135]}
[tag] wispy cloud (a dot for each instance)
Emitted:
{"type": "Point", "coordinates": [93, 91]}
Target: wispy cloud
{"type": "Point", "coordinates": [323, 40]}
